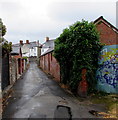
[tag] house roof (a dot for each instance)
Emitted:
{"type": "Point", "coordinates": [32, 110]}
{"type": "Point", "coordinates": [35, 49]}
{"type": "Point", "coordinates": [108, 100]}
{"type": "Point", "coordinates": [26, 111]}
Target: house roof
{"type": "Point", "coordinates": [30, 45]}
{"type": "Point", "coordinates": [101, 19]}
{"type": "Point", "coordinates": [48, 51]}
{"type": "Point", "coordinates": [33, 44]}
{"type": "Point", "coordinates": [15, 49]}
{"type": "Point", "coordinates": [48, 44]}
{"type": "Point", "coordinates": [17, 45]}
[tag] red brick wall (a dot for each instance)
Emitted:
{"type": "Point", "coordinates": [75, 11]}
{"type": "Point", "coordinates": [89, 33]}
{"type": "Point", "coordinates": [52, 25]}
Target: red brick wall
{"type": "Point", "coordinates": [54, 68]}
{"type": "Point", "coordinates": [50, 65]}
{"type": "Point", "coordinates": [107, 35]}
{"type": "Point", "coordinates": [42, 62]}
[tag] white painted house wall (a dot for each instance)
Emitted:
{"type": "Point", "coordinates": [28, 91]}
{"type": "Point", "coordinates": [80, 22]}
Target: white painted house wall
{"type": "Point", "coordinates": [30, 50]}
{"type": "Point", "coordinates": [25, 50]}
{"type": "Point", "coordinates": [33, 51]}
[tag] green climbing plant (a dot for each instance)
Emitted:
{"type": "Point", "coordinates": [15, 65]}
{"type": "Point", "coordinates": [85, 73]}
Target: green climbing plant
{"type": "Point", "coordinates": [76, 48]}
{"type": "Point", "coordinates": [6, 46]}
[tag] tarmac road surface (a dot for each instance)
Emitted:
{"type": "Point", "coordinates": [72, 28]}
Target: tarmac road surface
{"type": "Point", "coordinates": [35, 95]}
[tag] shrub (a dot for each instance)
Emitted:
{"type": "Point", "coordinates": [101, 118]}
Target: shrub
{"type": "Point", "coordinates": [76, 48]}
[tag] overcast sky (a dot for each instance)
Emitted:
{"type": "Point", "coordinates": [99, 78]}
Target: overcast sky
{"type": "Point", "coordinates": [36, 19]}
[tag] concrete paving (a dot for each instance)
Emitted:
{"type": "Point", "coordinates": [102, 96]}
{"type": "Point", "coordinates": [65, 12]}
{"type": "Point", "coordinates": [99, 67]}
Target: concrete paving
{"type": "Point", "coordinates": [35, 95]}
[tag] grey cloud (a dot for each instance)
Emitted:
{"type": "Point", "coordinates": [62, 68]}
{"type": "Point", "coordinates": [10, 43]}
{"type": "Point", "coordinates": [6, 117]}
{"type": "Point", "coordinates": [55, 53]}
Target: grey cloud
{"type": "Point", "coordinates": [15, 36]}
{"type": "Point", "coordinates": [24, 24]}
{"type": "Point", "coordinates": [10, 7]}
{"type": "Point", "coordinates": [73, 11]}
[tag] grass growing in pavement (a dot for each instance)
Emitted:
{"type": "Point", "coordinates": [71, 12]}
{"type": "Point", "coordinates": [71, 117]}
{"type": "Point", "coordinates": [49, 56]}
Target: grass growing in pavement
{"type": "Point", "coordinates": [109, 100]}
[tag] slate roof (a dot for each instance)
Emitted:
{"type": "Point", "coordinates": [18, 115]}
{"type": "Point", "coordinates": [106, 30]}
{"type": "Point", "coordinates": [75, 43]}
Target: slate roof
{"type": "Point", "coordinates": [30, 45]}
{"type": "Point", "coordinates": [33, 44]}
{"type": "Point", "coordinates": [48, 44]}
{"type": "Point", "coordinates": [48, 51]}
{"type": "Point", "coordinates": [15, 49]}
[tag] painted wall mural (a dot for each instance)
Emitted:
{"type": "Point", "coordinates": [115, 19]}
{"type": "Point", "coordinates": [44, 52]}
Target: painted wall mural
{"type": "Point", "coordinates": [107, 73]}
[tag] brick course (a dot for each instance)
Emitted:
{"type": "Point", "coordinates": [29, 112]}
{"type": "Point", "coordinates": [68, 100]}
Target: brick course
{"type": "Point", "coordinates": [50, 65]}
{"type": "Point", "coordinates": [107, 35]}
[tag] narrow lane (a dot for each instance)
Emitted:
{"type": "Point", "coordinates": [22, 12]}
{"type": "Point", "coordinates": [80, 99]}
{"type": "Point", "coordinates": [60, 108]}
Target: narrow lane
{"type": "Point", "coordinates": [35, 95]}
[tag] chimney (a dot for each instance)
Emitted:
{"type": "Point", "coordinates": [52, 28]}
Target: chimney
{"type": "Point", "coordinates": [27, 41]}
{"type": "Point", "coordinates": [21, 42]}
{"type": "Point", "coordinates": [47, 39]}
{"type": "Point", "coordinates": [38, 42]}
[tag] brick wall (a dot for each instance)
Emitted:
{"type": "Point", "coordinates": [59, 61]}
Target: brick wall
{"type": "Point", "coordinates": [106, 73]}
{"type": "Point", "coordinates": [50, 65]}
{"type": "Point", "coordinates": [107, 34]}
{"type": "Point", "coordinates": [55, 68]}
{"type": "Point", "coordinates": [46, 62]}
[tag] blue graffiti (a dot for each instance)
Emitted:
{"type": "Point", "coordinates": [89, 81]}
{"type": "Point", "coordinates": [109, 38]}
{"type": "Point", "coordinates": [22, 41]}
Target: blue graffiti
{"type": "Point", "coordinates": [108, 73]}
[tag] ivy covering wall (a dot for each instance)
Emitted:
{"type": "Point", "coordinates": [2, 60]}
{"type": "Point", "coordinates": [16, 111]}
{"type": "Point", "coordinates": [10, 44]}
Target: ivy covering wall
{"type": "Point", "coordinates": [76, 48]}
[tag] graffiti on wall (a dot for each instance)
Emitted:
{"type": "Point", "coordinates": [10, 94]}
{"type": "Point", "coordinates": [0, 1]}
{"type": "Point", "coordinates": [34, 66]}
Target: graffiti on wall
{"type": "Point", "coordinates": [108, 69]}
{"type": "Point", "coordinates": [108, 74]}
{"type": "Point", "coordinates": [109, 53]}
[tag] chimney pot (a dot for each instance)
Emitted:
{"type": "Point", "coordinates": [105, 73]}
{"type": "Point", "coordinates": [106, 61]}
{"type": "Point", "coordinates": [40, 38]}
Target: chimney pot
{"type": "Point", "coordinates": [27, 41]}
{"type": "Point", "coordinates": [21, 42]}
{"type": "Point", "coordinates": [47, 39]}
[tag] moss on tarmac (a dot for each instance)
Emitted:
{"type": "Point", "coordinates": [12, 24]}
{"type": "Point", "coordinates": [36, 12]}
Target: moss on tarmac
{"type": "Point", "coordinates": [109, 100]}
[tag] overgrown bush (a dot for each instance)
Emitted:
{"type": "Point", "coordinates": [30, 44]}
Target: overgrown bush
{"type": "Point", "coordinates": [76, 48]}
{"type": "Point", "coordinates": [6, 46]}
